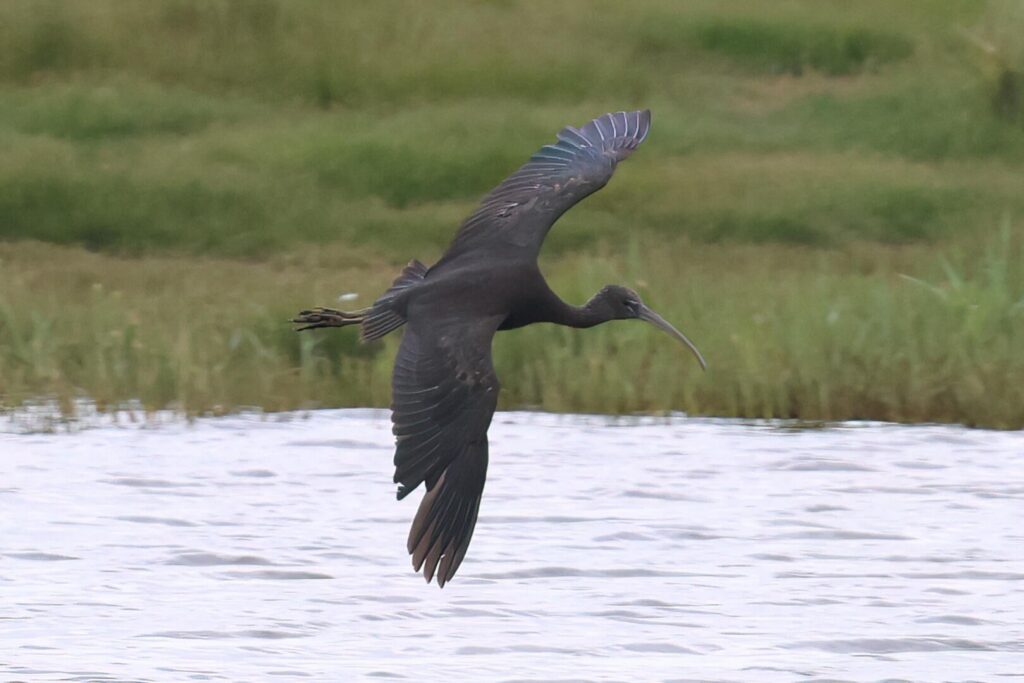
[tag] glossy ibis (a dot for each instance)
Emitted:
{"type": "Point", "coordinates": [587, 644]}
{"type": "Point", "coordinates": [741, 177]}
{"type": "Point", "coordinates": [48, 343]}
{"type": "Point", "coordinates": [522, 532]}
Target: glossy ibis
{"type": "Point", "coordinates": [444, 389]}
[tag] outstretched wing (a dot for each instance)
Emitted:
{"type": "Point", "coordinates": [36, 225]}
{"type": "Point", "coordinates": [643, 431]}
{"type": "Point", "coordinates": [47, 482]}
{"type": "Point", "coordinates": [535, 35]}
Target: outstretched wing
{"type": "Point", "coordinates": [444, 392]}
{"type": "Point", "coordinates": [522, 209]}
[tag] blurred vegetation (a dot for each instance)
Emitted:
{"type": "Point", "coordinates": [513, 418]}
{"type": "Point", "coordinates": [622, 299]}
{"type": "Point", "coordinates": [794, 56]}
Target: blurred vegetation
{"type": "Point", "coordinates": [177, 177]}
{"type": "Point", "coordinates": [998, 37]}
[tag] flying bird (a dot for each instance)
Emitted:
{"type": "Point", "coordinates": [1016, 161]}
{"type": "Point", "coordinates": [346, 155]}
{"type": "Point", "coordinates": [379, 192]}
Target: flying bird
{"type": "Point", "coordinates": [444, 388]}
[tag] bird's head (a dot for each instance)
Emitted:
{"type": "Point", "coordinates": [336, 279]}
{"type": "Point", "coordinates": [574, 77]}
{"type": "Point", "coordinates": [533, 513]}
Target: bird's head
{"type": "Point", "coordinates": [622, 303]}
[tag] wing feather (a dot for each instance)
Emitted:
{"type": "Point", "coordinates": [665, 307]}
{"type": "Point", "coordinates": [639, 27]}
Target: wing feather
{"type": "Point", "coordinates": [521, 210]}
{"type": "Point", "coordinates": [444, 393]}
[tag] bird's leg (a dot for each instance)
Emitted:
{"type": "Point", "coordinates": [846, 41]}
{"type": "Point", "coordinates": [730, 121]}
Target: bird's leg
{"type": "Point", "coordinates": [327, 317]}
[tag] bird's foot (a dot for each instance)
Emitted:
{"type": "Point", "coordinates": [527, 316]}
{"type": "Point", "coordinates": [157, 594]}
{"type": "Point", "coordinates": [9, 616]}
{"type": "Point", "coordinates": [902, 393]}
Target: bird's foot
{"type": "Point", "coordinates": [325, 317]}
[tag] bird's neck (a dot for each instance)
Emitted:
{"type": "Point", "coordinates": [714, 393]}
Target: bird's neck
{"type": "Point", "coordinates": [587, 315]}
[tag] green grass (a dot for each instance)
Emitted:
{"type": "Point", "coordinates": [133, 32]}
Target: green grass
{"type": "Point", "coordinates": [780, 48]}
{"type": "Point", "coordinates": [865, 332]}
{"type": "Point", "coordinates": [1001, 54]}
{"type": "Point", "coordinates": [245, 128]}
{"type": "Point", "coordinates": [214, 165]}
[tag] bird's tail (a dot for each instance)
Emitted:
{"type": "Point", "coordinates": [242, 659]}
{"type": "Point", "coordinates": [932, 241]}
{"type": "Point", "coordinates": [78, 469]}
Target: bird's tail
{"type": "Point", "coordinates": [382, 317]}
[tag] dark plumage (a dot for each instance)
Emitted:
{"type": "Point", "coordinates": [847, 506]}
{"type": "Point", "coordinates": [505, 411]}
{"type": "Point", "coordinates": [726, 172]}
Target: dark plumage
{"type": "Point", "coordinates": [444, 389]}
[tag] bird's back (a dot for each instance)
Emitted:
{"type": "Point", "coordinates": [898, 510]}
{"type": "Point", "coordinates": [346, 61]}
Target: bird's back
{"type": "Point", "coordinates": [466, 289]}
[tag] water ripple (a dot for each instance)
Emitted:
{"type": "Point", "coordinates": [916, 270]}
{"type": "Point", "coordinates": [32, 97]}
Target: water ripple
{"type": "Point", "coordinates": [203, 559]}
{"type": "Point", "coordinates": [278, 575]}
{"type": "Point", "coordinates": [892, 645]}
{"type": "Point", "coordinates": [146, 519]}
{"type": "Point", "coordinates": [145, 483]}
{"type": "Point", "coordinates": [41, 557]}
{"type": "Point", "coordinates": [220, 635]}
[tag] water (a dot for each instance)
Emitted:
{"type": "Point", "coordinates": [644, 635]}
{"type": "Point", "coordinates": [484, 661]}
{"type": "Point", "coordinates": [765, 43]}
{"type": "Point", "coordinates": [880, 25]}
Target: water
{"type": "Point", "coordinates": [242, 549]}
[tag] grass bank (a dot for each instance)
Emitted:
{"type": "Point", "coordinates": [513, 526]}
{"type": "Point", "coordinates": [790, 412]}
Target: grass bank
{"type": "Point", "coordinates": [243, 129]}
{"type": "Point", "coordinates": [907, 334]}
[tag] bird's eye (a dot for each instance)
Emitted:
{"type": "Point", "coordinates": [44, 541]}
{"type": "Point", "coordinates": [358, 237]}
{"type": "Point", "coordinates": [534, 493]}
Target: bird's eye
{"type": "Point", "coordinates": [631, 304]}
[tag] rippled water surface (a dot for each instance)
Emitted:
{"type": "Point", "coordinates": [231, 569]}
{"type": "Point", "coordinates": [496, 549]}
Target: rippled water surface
{"type": "Point", "coordinates": [246, 549]}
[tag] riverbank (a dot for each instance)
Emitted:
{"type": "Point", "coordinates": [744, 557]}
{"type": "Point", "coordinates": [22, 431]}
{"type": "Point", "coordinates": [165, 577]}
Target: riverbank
{"type": "Point", "coordinates": [901, 334]}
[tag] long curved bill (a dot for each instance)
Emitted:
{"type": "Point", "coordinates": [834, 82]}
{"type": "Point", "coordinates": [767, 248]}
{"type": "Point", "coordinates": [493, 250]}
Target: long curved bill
{"type": "Point", "coordinates": [656, 320]}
